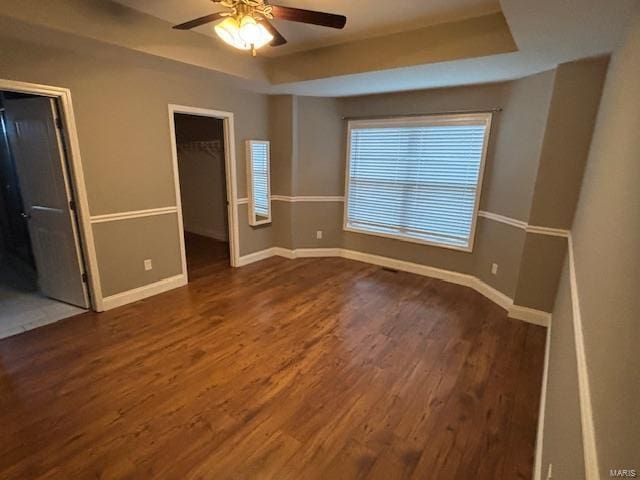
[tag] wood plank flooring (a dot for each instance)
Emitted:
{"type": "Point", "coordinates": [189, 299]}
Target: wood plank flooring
{"type": "Point", "coordinates": [284, 369]}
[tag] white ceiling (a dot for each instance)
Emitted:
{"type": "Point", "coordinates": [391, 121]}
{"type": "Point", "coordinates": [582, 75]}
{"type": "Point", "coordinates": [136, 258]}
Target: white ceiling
{"type": "Point", "coordinates": [365, 18]}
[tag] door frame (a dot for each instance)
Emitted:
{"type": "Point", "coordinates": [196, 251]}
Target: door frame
{"type": "Point", "coordinates": [75, 177]}
{"type": "Point", "coordinates": [230, 174]}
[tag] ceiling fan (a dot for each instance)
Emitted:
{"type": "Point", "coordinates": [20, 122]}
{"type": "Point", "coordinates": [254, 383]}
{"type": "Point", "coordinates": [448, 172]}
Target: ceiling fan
{"type": "Point", "coordinates": [245, 23]}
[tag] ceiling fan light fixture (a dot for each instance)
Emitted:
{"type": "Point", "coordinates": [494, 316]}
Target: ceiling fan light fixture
{"type": "Point", "coordinates": [244, 24]}
{"type": "Point", "coordinates": [229, 32]}
{"type": "Point", "coordinates": [254, 33]}
{"type": "Point", "coordinates": [244, 34]}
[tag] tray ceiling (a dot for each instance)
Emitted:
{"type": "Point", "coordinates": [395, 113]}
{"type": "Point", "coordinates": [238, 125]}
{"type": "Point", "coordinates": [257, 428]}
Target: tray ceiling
{"type": "Point", "coordinates": [366, 18]}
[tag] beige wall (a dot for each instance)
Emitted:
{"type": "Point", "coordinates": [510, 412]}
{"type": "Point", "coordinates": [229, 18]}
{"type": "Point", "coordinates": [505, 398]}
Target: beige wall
{"type": "Point", "coordinates": [281, 215]}
{"type": "Point", "coordinates": [203, 192]}
{"type": "Point", "coordinates": [562, 442]}
{"type": "Point", "coordinates": [519, 130]}
{"type": "Point", "coordinates": [283, 125]}
{"type": "Point", "coordinates": [540, 268]}
{"type": "Point", "coordinates": [112, 23]}
{"type": "Point", "coordinates": [501, 244]}
{"type": "Point", "coordinates": [309, 217]}
{"type": "Point", "coordinates": [120, 100]}
{"type": "Point", "coordinates": [606, 236]}
{"type": "Point", "coordinates": [124, 244]}
{"type": "Point", "coordinates": [574, 106]}
{"type": "Point", "coordinates": [253, 239]}
{"type": "Point", "coordinates": [321, 133]}
{"type": "Point", "coordinates": [569, 126]}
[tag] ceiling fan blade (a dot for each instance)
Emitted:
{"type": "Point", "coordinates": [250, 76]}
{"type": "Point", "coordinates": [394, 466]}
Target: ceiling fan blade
{"type": "Point", "coordinates": [198, 21]}
{"type": "Point", "coordinates": [309, 16]}
{"type": "Point", "coordinates": [278, 39]}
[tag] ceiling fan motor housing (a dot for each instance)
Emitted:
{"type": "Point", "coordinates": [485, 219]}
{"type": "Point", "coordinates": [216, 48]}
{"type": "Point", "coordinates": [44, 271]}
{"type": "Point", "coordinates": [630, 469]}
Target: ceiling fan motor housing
{"type": "Point", "coordinates": [240, 8]}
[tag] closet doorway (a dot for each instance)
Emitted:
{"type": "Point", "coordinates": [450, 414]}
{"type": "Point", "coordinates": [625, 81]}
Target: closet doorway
{"type": "Point", "coordinates": [202, 156]}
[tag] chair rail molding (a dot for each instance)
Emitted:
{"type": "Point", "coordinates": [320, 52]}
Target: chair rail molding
{"type": "Point", "coordinates": [111, 217]}
{"type": "Point", "coordinates": [496, 217]}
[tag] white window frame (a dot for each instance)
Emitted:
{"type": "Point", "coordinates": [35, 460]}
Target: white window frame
{"type": "Point", "coordinates": [249, 160]}
{"type": "Point", "coordinates": [436, 120]}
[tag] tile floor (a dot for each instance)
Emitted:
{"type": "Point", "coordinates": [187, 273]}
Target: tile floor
{"type": "Point", "coordinates": [23, 307]}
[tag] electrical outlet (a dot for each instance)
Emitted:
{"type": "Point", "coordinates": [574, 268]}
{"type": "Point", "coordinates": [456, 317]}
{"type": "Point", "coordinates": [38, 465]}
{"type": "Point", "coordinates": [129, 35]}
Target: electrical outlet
{"type": "Point", "coordinates": [494, 269]}
{"type": "Point", "coordinates": [550, 472]}
{"type": "Point", "coordinates": [319, 235]}
{"type": "Point", "coordinates": [148, 264]}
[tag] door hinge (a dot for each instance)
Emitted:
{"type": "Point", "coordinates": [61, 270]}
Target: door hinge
{"type": "Point", "coordinates": [85, 278]}
{"type": "Point", "coordinates": [72, 205]}
{"type": "Point", "coordinates": [59, 123]}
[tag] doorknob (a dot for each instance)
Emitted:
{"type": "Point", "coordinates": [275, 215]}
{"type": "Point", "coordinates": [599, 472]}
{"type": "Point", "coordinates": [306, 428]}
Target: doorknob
{"type": "Point", "coordinates": [26, 216]}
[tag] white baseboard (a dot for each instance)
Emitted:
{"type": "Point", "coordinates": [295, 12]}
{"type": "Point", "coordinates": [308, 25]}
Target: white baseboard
{"type": "Point", "coordinates": [530, 315]}
{"type": "Point", "coordinates": [537, 465]}
{"type": "Point", "coordinates": [425, 270]}
{"type": "Point", "coordinates": [283, 252]}
{"type": "Point", "coordinates": [305, 252]}
{"type": "Point", "coordinates": [140, 293]}
{"type": "Point", "coordinates": [257, 256]}
{"type": "Point", "coordinates": [315, 252]}
{"type": "Point", "coordinates": [591, 465]}
{"type": "Point", "coordinates": [219, 235]}
{"type": "Point", "coordinates": [496, 296]}
{"type": "Point", "coordinates": [517, 312]}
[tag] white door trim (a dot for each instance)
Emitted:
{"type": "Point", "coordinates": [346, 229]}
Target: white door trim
{"type": "Point", "coordinates": [230, 172]}
{"type": "Point", "coordinates": [63, 95]}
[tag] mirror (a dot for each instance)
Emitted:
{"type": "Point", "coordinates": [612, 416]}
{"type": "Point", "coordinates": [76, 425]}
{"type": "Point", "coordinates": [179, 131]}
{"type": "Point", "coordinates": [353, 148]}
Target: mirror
{"type": "Point", "coordinates": [258, 182]}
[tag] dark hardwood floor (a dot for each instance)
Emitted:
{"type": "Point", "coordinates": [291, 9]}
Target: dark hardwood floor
{"type": "Point", "coordinates": [204, 255]}
{"type": "Point", "coordinates": [284, 369]}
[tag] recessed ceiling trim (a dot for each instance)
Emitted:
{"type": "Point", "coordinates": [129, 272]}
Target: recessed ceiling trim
{"type": "Point", "coordinates": [471, 38]}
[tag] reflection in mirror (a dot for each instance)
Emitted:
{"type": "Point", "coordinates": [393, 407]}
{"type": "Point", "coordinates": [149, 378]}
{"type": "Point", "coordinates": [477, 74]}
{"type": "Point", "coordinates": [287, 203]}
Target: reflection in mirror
{"type": "Point", "coordinates": [258, 182]}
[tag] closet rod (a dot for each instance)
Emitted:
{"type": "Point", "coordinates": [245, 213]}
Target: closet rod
{"type": "Point", "coordinates": [451, 112]}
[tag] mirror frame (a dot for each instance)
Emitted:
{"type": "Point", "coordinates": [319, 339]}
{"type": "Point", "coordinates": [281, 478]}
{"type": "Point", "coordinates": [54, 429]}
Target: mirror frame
{"type": "Point", "coordinates": [249, 157]}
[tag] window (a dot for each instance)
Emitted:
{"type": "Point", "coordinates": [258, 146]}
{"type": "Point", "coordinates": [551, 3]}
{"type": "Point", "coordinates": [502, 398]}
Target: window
{"type": "Point", "coordinates": [258, 186]}
{"type": "Point", "coordinates": [417, 178]}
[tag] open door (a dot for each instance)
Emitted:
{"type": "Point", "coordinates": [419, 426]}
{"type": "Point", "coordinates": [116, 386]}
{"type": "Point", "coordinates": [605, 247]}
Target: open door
{"type": "Point", "coordinates": [36, 142]}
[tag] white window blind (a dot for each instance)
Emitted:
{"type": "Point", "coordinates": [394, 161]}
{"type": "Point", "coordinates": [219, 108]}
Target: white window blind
{"type": "Point", "coordinates": [417, 178]}
{"type": "Point", "coordinates": [260, 177]}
